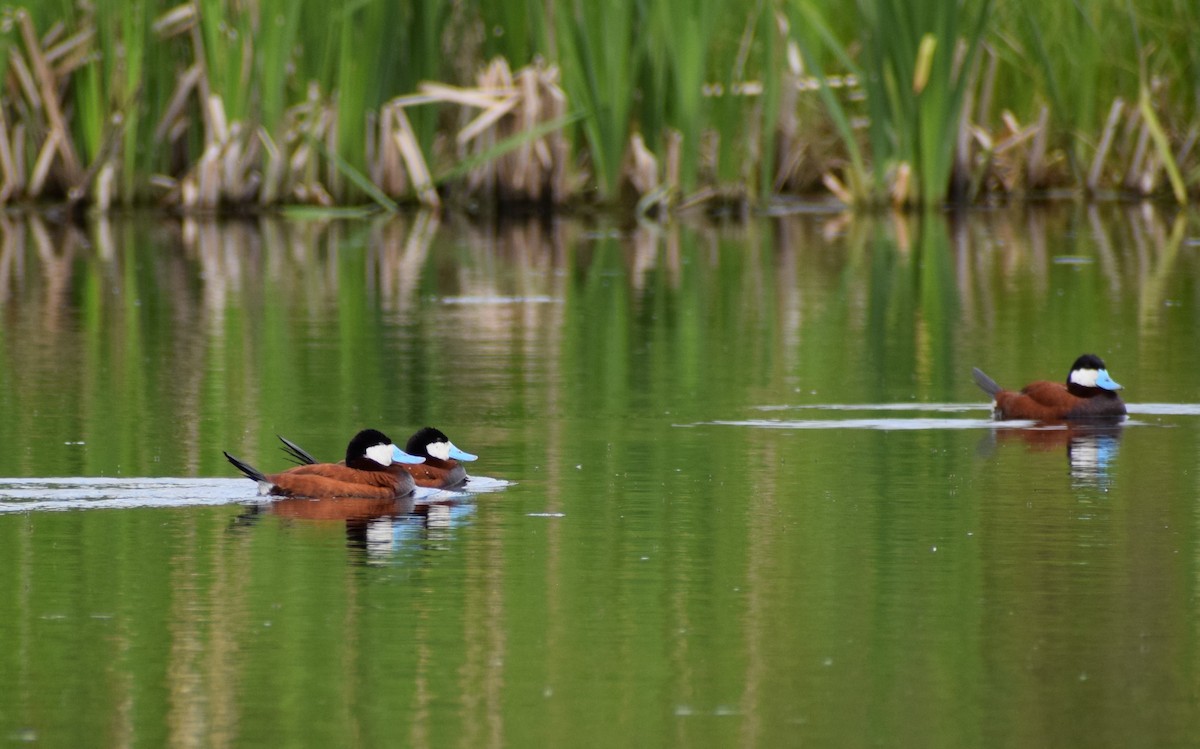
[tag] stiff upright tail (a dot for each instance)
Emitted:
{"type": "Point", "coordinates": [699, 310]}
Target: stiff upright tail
{"type": "Point", "coordinates": [988, 385]}
{"type": "Point", "coordinates": [250, 471]}
{"type": "Point", "coordinates": [296, 454]}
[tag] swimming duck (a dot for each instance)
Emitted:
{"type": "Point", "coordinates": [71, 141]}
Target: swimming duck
{"type": "Point", "coordinates": [1089, 393]}
{"type": "Point", "coordinates": [372, 469]}
{"type": "Point", "coordinates": [443, 460]}
{"type": "Point", "coordinates": [442, 466]}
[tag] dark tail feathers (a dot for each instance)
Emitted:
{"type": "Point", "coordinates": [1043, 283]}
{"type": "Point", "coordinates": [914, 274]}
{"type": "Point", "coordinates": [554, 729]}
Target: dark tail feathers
{"type": "Point", "coordinates": [296, 454]}
{"type": "Point", "coordinates": [250, 471]}
{"type": "Point", "coordinates": [988, 385]}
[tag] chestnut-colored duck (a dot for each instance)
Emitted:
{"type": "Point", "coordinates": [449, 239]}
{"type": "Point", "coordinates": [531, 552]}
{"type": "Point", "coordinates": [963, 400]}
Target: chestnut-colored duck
{"type": "Point", "coordinates": [1089, 393]}
{"type": "Point", "coordinates": [441, 468]}
{"type": "Point", "coordinates": [373, 469]}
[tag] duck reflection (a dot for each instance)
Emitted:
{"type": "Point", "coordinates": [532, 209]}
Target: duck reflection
{"type": "Point", "coordinates": [429, 526]}
{"type": "Point", "coordinates": [349, 509]}
{"type": "Point", "coordinates": [378, 529]}
{"type": "Point", "coordinates": [1091, 445]}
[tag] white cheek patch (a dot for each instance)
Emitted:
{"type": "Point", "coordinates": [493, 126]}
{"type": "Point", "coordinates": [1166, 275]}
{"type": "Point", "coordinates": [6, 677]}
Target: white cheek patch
{"type": "Point", "coordinates": [1085, 377]}
{"type": "Point", "coordinates": [439, 450]}
{"type": "Point", "coordinates": [381, 454]}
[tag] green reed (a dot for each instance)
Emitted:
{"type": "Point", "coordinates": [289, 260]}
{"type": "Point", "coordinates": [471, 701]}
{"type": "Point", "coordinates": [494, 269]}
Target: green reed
{"type": "Point", "coordinates": [677, 71]}
{"type": "Point", "coordinates": [916, 66]}
{"type": "Point", "coordinates": [598, 49]}
{"type": "Point", "coordinates": [712, 79]}
{"type": "Point", "coordinates": [516, 30]}
{"type": "Point", "coordinates": [1111, 73]}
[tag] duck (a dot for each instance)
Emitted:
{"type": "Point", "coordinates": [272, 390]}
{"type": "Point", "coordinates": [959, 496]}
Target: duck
{"type": "Point", "coordinates": [441, 467]}
{"type": "Point", "coordinates": [1089, 393]}
{"type": "Point", "coordinates": [373, 469]}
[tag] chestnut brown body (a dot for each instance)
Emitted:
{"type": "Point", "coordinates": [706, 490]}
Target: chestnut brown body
{"type": "Point", "coordinates": [438, 474]}
{"type": "Point", "coordinates": [326, 480]}
{"type": "Point", "coordinates": [1053, 401]}
{"type": "Point", "coordinates": [1088, 393]}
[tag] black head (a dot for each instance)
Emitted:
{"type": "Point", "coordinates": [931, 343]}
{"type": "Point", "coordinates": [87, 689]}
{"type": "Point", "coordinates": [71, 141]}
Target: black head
{"type": "Point", "coordinates": [1087, 361]}
{"type": "Point", "coordinates": [356, 451]}
{"type": "Point", "coordinates": [1089, 377]}
{"type": "Point", "coordinates": [418, 444]}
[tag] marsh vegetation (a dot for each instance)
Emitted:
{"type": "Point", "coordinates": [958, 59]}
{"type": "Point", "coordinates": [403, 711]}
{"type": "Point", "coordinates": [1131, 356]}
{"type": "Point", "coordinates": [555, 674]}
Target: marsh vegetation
{"type": "Point", "coordinates": [242, 105]}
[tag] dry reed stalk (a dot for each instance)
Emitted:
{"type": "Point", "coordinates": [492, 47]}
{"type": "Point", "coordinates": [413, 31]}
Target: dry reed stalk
{"type": "Point", "coordinates": [1106, 140]}
{"type": "Point", "coordinates": [218, 130]}
{"type": "Point", "coordinates": [272, 174]}
{"type": "Point", "coordinates": [208, 179]}
{"type": "Point", "coordinates": [512, 108]}
{"type": "Point", "coordinates": [176, 106]}
{"type": "Point", "coordinates": [406, 142]}
{"type": "Point", "coordinates": [1134, 172]}
{"type": "Point", "coordinates": [495, 85]}
{"type": "Point", "coordinates": [486, 120]}
{"type": "Point", "coordinates": [642, 169]}
{"type": "Point", "coordinates": [984, 159]}
{"type": "Point", "coordinates": [48, 90]}
{"type": "Point", "coordinates": [902, 182]}
{"type": "Point", "coordinates": [312, 123]}
{"type": "Point", "coordinates": [835, 186]}
{"type": "Point", "coordinates": [388, 164]}
{"type": "Point", "coordinates": [1189, 143]}
{"type": "Point", "coordinates": [103, 187]}
{"type": "Point", "coordinates": [18, 152]}
{"type": "Point", "coordinates": [530, 155]}
{"type": "Point", "coordinates": [967, 180]}
{"type": "Point", "coordinates": [1035, 174]}
{"type": "Point", "coordinates": [1006, 167]}
{"type": "Point", "coordinates": [25, 80]}
{"type": "Point", "coordinates": [7, 166]}
{"type": "Point", "coordinates": [674, 159]}
{"type": "Point", "coordinates": [41, 166]}
{"type": "Point", "coordinates": [52, 35]}
{"type": "Point", "coordinates": [179, 20]}
{"type": "Point", "coordinates": [1147, 181]}
{"type": "Point", "coordinates": [71, 53]}
{"type": "Point", "coordinates": [789, 148]}
{"type": "Point", "coordinates": [242, 160]}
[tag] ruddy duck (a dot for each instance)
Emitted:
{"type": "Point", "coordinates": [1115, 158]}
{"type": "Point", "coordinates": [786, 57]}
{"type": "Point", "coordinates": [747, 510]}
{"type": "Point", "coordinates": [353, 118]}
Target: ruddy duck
{"type": "Point", "coordinates": [372, 470]}
{"type": "Point", "coordinates": [1089, 393]}
{"type": "Point", "coordinates": [442, 466]}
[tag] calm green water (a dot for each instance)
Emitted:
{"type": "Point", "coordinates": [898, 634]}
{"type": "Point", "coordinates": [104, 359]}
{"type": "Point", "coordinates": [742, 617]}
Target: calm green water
{"type": "Point", "coordinates": [754, 496]}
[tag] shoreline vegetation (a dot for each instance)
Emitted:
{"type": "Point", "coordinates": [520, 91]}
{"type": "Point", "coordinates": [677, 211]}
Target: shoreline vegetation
{"type": "Point", "coordinates": [242, 106]}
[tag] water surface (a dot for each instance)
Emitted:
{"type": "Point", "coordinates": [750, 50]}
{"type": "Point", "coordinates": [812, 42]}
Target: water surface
{"type": "Point", "coordinates": [740, 487]}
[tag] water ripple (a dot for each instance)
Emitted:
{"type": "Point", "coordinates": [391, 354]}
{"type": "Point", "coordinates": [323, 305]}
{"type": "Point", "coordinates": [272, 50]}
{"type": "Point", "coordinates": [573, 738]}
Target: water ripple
{"type": "Point", "coordinates": [86, 493]}
{"type": "Point", "coordinates": [895, 423]}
